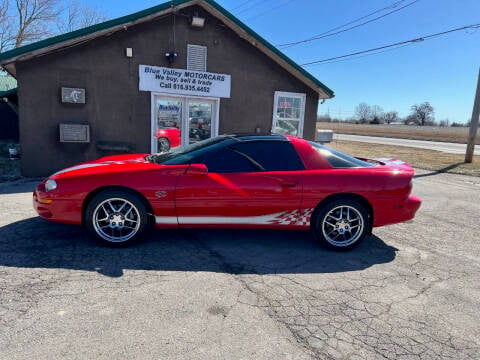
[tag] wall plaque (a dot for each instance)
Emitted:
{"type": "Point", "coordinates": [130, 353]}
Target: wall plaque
{"type": "Point", "coordinates": [75, 133]}
{"type": "Point", "coordinates": [73, 95]}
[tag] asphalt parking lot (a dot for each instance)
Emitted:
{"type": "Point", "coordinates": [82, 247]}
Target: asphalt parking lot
{"type": "Point", "coordinates": [410, 291]}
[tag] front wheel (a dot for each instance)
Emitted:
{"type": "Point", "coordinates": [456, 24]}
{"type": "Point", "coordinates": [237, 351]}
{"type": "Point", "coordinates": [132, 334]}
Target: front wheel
{"type": "Point", "coordinates": [116, 218]}
{"type": "Point", "coordinates": [341, 224]}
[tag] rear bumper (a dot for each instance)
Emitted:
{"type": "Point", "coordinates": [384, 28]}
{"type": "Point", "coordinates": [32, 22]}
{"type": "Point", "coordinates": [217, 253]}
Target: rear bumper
{"type": "Point", "coordinates": [395, 213]}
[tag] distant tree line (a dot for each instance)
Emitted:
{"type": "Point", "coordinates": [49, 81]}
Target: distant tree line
{"type": "Point", "coordinates": [421, 114]}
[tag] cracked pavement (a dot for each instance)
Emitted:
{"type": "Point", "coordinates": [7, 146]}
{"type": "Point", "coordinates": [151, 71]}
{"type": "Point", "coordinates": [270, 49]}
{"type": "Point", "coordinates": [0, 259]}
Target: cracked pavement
{"type": "Point", "coordinates": [410, 291]}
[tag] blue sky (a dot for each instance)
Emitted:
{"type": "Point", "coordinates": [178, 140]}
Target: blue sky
{"type": "Point", "coordinates": [442, 71]}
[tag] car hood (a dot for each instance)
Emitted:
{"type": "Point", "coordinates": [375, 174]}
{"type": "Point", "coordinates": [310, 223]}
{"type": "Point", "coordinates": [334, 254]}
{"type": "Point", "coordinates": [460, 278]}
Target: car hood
{"type": "Point", "coordinates": [108, 164]}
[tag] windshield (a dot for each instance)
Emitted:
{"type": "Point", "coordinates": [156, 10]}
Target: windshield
{"type": "Point", "coordinates": [338, 159]}
{"type": "Point", "coordinates": [184, 155]}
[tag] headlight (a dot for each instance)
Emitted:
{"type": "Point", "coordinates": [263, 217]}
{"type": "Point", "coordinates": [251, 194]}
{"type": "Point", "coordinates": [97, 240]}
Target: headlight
{"type": "Point", "coordinates": [50, 185]}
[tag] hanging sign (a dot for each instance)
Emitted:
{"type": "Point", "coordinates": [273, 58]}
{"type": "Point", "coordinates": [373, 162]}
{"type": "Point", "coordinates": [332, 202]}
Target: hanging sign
{"type": "Point", "coordinates": [183, 82]}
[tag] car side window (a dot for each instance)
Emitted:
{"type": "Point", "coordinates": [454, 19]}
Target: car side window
{"type": "Point", "coordinates": [224, 160]}
{"type": "Point", "coordinates": [271, 155]}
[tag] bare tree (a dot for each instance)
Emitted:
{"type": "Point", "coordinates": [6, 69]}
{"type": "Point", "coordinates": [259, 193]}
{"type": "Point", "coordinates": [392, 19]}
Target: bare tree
{"type": "Point", "coordinates": [25, 21]}
{"type": "Point", "coordinates": [35, 19]}
{"type": "Point", "coordinates": [444, 122]}
{"type": "Point", "coordinates": [390, 117]}
{"type": "Point", "coordinates": [411, 120]}
{"type": "Point", "coordinates": [78, 16]}
{"type": "Point", "coordinates": [377, 115]}
{"type": "Point", "coordinates": [363, 111]}
{"type": "Point", "coordinates": [324, 118]}
{"type": "Point", "coordinates": [6, 22]}
{"type": "Point", "coordinates": [423, 113]}
{"type": "Point", "coordinates": [3, 10]}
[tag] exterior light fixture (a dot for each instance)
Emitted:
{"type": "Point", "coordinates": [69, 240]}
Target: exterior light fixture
{"type": "Point", "coordinates": [171, 55]}
{"type": "Point", "coordinates": [197, 21]}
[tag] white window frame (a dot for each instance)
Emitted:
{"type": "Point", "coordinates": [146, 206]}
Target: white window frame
{"type": "Point", "coordinates": [302, 98]}
{"type": "Point", "coordinates": [204, 60]}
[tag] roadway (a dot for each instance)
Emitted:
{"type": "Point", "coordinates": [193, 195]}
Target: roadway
{"type": "Point", "coordinates": [452, 148]}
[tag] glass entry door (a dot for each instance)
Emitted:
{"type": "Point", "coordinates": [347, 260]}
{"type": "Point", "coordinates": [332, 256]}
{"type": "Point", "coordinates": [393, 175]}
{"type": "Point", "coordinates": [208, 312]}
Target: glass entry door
{"type": "Point", "coordinates": [167, 123]}
{"type": "Point", "coordinates": [179, 121]}
{"type": "Point", "coordinates": [200, 120]}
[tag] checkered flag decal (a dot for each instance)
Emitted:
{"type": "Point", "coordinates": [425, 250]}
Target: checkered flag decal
{"type": "Point", "coordinates": [293, 217]}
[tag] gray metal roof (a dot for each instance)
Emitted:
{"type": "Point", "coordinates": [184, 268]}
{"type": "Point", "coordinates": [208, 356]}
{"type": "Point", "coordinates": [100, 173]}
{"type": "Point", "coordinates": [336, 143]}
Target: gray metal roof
{"type": "Point", "coordinates": [7, 82]}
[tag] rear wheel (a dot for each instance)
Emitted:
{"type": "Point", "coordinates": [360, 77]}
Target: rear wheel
{"type": "Point", "coordinates": [163, 144]}
{"type": "Point", "coordinates": [341, 224]}
{"type": "Point", "coordinates": [116, 217]}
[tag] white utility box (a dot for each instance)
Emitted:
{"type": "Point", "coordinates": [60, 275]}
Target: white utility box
{"type": "Point", "coordinates": [324, 136]}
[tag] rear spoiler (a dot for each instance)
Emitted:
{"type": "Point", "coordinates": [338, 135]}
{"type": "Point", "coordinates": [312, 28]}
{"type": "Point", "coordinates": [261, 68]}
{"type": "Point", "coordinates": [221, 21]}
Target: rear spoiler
{"type": "Point", "coordinates": [395, 163]}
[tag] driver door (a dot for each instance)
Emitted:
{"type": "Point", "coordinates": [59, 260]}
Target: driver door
{"type": "Point", "coordinates": [238, 191]}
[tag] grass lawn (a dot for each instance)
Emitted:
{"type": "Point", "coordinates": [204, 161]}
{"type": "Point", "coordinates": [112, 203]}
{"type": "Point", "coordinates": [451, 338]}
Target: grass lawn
{"type": "Point", "coordinates": [432, 133]}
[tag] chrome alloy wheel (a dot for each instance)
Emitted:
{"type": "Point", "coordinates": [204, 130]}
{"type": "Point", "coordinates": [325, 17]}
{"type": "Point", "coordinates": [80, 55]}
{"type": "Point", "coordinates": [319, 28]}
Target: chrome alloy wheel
{"type": "Point", "coordinates": [342, 226]}
{"type": "Point", "coordinates": [116, 220]}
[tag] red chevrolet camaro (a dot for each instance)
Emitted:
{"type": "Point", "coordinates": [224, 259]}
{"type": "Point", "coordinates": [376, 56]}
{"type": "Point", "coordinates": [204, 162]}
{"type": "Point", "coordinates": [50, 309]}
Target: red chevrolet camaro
{"type": "Point", "coordinates": [254, 181]}
{"type": "Point", "coordinates": [168, 137]}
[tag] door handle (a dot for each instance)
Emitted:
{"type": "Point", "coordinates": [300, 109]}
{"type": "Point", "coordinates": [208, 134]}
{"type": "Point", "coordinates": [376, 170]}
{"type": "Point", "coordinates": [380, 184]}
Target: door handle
{"type": "Point", "coordinates": [290, 184]}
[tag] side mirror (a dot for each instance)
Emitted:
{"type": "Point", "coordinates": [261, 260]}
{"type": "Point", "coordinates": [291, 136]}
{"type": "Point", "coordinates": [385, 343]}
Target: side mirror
{"type": "Point", "coordinates": [197, 170]}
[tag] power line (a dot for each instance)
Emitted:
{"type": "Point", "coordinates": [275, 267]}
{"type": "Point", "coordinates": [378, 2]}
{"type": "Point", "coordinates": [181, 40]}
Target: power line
{"type": "Point", "coordinates": [330, 33]}
{"type": "Point", "coordinates": [369, 54]}
{"type": "Point", "coordinates": [239, 6]}
{"type": "Point", "coordinates": [251, 7]}
{"type": "Point", "coordinates": [271, 9]}
{"type": "Point", "coordinates": [394, 5]}
{"type": "Point", "coordinates": [422, 38]}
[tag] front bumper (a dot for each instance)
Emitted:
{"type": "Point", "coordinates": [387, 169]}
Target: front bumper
{"type": "Point", "coordinates": [54, 208]}
{"type": "Point", "coordinates": [42, 204]}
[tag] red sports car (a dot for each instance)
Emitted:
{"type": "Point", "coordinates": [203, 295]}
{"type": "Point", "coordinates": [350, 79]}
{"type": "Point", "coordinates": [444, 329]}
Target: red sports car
{"type": "Point", "coordinates": [168, 137]}
{"type": "Point", "coordinates": [254, 181]}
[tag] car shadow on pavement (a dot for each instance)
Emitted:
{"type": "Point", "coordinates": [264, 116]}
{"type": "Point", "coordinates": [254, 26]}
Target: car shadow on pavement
{"type": "Point", "coordinates": [36, 243]}
{"type": "Point", "coordinates": [439, 171]}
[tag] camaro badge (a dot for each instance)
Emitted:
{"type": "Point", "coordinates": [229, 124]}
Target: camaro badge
{"type": "Point", "coordinates": [161, 194]}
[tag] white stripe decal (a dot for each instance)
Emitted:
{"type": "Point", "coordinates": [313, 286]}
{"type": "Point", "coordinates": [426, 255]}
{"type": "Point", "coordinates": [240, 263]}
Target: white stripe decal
{"type": "Point", "coordinates": [293, 217]}
{"type": "Point", "coordinates": [166, 219]}
{"type": "Point", "coordinates": [79, 167]}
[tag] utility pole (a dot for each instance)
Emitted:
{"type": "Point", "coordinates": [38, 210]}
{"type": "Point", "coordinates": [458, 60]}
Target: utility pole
{"type": "Point", "coordinates": [473, 124]}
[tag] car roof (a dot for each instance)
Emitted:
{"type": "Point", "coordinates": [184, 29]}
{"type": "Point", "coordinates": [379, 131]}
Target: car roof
{"type": "Point", "coordinates": [258, 137]}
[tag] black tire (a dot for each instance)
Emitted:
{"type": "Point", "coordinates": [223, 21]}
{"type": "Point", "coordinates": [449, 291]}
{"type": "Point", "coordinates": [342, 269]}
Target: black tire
{"type": "Point", "coordinates": [341, 224]}
{"type": "Point", "coordinates": [163, 144]}
{"type": "Point", "coordinates": [116, 218]}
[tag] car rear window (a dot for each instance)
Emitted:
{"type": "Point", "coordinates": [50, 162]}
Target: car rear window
{"type": "Point", "coordinates": [338, 159]}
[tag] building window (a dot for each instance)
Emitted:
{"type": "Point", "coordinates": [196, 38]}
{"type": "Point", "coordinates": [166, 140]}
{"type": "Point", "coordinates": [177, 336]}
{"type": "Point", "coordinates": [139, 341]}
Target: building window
{"type": "Point", "coordinates": [288, 113]}
{"type": "Point", "coordinates": [196, 57]}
